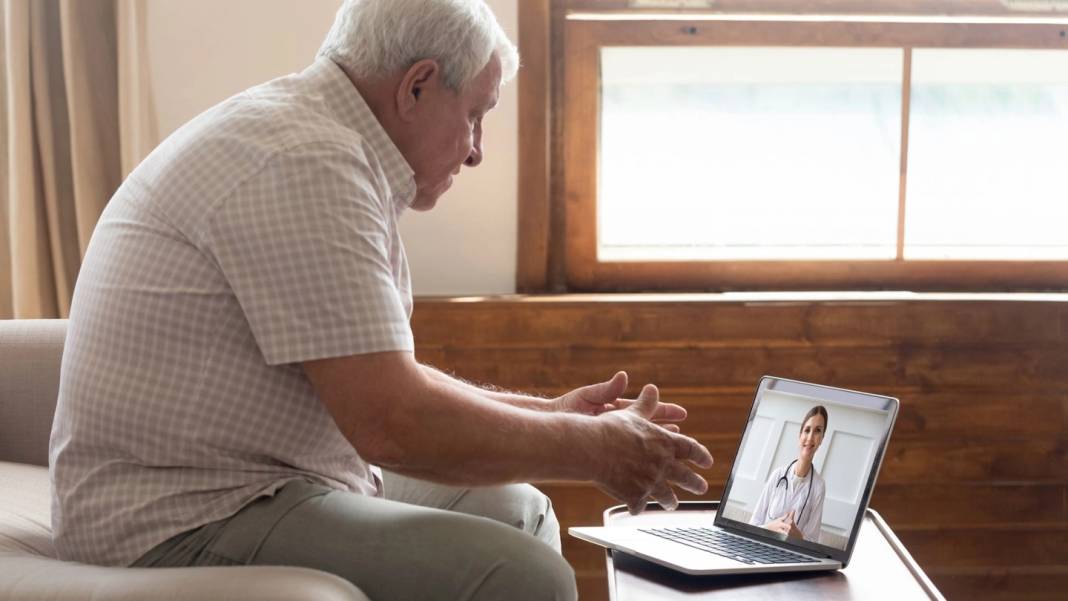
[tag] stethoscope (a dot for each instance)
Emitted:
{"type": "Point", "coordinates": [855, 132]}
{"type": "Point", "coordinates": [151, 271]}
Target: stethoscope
{"type": "Point", "coordinates": [786, 489]}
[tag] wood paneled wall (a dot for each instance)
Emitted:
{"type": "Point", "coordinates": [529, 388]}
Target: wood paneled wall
{"type": "Point", "coordinates": [975, 481]}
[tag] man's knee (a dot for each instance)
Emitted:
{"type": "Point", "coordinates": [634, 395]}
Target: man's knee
{"type": "Point", "coordinates": [533, 511]}
{"type": "Point", "coordinates": [529, 571]}
{"type": "Point", "coordinates": [519, 505]}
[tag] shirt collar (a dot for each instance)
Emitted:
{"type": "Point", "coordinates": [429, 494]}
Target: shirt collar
{"type": "Point", "coordinates": [350, 109]}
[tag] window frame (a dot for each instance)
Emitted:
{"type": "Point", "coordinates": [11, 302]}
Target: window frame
{"type": "Point", "coordinates": [568, 258]}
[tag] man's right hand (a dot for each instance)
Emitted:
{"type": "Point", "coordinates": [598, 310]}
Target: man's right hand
{"type": "Point", "coordinates": [642, 461]}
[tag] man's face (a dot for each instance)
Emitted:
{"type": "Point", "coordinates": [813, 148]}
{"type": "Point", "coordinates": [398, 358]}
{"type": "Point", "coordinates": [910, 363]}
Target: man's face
{"type": "Point", "coordinates": [449, 133]}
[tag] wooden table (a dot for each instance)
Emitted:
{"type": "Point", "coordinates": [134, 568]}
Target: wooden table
{"type": "Point", "coordinates": [881, 568]}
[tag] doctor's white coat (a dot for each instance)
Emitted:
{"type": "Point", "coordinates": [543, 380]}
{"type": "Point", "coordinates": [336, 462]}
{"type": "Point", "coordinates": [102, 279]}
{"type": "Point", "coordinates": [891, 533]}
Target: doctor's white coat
{"type": "Point", "coordinates": [772, 505]}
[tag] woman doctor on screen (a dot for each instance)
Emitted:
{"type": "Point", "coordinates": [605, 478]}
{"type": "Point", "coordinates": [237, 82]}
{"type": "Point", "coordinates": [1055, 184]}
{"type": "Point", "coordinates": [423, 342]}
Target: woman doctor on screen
{"type": "Point", "coordinates": [792, 500]}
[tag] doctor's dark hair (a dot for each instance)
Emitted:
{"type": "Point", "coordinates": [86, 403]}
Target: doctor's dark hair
{"type": "Point", "coordinates": [817, 410]}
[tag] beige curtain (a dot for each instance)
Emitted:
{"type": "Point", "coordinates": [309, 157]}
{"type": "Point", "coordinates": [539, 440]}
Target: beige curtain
{"type": "Point", "coordinates": [138, 126]}
{"type": "Point", "coordinates": [65, 91]}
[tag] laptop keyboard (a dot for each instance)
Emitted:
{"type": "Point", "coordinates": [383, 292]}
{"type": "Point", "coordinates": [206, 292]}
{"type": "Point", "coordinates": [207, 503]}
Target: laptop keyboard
{"type": "Point", "coordinates": [728, 545]}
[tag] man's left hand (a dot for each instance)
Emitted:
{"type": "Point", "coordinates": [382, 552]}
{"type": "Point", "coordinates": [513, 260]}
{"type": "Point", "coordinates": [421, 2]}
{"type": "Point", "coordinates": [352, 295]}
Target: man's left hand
{"type": "Point", "coordinates": [596, 399]}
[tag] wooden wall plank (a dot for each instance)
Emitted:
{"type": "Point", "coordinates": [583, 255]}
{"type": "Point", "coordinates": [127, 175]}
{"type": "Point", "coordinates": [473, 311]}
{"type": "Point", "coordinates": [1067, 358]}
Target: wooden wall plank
{"type": "Point", "coordinates": [909, 505]}
{"type": "Point", "coordinates": [1036, 583]}
{"type": "Point", "coordinates": [925, 460]}
{"type": "Point", "coordinates": [874, 369]}
{"type": "Point", "coordinates": [592, 585]}
{"type": "Point", "coordinates": [1000, 546]}
{"type": "Point", "coordinates": [739, 324]}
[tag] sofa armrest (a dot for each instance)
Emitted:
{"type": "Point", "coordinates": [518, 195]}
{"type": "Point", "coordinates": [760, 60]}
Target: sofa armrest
{"type": "Point", "coordinates": [23, 577]}
{"type": "Point", "coordinates": [31, 351]}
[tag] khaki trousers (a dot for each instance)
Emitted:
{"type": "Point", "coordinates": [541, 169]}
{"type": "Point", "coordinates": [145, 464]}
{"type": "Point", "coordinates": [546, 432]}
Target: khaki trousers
{"type": "Point", "coordinates": [422, 541]}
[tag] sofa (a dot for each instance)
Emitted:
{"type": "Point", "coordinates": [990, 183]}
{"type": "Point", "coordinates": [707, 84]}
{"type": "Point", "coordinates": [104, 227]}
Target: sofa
{"type": "Point", "coordinates": [30, 352]}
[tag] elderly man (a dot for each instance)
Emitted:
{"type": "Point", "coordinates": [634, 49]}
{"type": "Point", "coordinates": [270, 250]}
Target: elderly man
{"type": "Point", "coordinates": [239, 360]}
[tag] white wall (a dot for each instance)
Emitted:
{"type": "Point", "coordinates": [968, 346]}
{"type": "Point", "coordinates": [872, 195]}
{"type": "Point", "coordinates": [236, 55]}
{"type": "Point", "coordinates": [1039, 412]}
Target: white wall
{"type": "Point", "coordinates": [203, 51]}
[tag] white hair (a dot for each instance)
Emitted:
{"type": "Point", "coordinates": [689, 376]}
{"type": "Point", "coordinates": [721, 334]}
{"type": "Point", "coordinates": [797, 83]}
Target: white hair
{"type": "Point", "coordinates": [373, 38]}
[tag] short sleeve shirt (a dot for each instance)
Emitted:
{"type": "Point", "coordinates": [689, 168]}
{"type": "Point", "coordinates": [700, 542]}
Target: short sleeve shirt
{"type": "Point", "coordinates": [260, 235]}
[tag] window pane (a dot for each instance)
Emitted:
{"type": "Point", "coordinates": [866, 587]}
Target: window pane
{"type": "Point", "coordinates": [749, 153]}
{"type": "Point", "coordinates": [988, 149]}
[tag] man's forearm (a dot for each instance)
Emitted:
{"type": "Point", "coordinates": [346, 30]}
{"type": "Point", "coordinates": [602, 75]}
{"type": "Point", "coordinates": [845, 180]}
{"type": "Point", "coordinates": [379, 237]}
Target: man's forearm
{"type": "Point", "coordinates": [485, 441]}
{"type": "Point", "coordinates": [515, 399]}
{"type": "Point", "coordinates": [396, 413]}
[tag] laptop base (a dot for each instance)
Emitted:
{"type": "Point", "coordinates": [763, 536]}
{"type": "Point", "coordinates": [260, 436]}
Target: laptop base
{"type": "Point", "coordinates": [682, 557]}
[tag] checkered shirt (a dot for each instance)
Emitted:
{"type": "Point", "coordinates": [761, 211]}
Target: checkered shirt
{"type": "Point", "coordinates": [261, 234]}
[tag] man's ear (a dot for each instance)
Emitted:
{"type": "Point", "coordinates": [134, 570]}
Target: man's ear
{"type": "Point", "coordinates": [419, 78]}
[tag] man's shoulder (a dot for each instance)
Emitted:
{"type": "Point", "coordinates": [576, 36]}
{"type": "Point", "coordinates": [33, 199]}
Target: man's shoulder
{"type": "Point", "coordinates": [269, 119]}
{"type": "Point", "coordinates": [212, 155]}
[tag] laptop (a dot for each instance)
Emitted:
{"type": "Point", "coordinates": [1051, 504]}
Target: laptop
{"type": "Point", "coordinates": [772, 518]}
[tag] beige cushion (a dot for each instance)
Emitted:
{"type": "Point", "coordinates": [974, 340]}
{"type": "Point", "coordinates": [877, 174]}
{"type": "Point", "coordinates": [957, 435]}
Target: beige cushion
{"type": "Point", "coordinates": [25, 524]}
{"type": "Point", "coordinates": [27, 578]}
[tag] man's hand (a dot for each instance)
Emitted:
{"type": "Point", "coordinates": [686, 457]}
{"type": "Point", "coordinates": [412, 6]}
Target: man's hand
{"type": "Point", "coordinates": [643, 461]}
{"type": "Point", "coordinates": [596, 399]}
{"type": "Point", "coordinates": [786, 525]}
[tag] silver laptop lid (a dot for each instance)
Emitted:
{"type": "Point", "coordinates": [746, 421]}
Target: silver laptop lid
{"type": "Point", "coordinates": [827, 504]}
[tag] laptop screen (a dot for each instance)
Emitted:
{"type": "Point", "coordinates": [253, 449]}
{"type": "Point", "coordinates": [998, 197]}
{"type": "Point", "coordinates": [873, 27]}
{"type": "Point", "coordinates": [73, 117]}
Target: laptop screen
{"type": "Point", "coordinates": [807, 464]}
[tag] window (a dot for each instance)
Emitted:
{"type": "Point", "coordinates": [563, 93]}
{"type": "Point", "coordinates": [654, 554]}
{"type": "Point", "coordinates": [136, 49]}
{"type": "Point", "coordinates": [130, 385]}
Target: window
{"type": "Point", "coordinates": [748, 153]}
{"type": "Point", "coordinates": [699, 151]}
{"type": "Point", "coordinates": [987, 140]}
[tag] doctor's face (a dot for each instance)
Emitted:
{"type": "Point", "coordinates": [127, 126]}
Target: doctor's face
{"type": "Point", "coordinates": [811, 436]}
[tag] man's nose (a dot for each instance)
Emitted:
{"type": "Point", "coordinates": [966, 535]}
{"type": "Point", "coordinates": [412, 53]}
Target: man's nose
{"type": "Point", "coordinates": [475, 158]}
